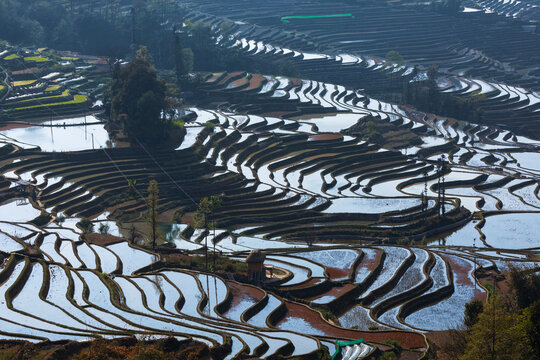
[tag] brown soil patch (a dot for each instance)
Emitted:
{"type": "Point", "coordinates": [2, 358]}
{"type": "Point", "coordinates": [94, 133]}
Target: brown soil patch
{"type": "Point", "coordinates": [102, 239]}
{"type": "Point", "coordinates": [237, 83]}
{"type": "Point", "coordinates": [25, 71]}
{"type": "Point", "coordinates": [13, 126]}
{"type": "Point", "coordinates": [337, 273]}
{"type": "Point", "coordinates": [441, 339]}
{"type": "Point", "coordinates": [230, 75]}
{"type": "Point", "coordinates": [335, 292]}
{"type": "Point", "coordinates": [248, 291]}
{"type": "Point", "coordinates": [461, 272]}
{"type": "Point", "coordinates": [408, 340]}
{"type": "Point", "coordinates": [296, 82]}
{"type": "Point", "coordinates": [309, 283]}
{"type": "Point", "coordinates": [241, 292]}
{"type": "Point", "coordinates": [324, 137]}
{"type": "Point", "coordinates": [214, 77]}
{"type": "Point", "coordinates": [255, 82]}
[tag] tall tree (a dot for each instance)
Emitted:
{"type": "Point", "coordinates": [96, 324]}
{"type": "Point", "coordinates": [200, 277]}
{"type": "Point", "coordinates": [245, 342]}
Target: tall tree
{"type": "Point", "coordinates": [207, 206]}
{"type": "Point", "coordinates": [472, 310]}
{"type": "Point", "coordinates": [178, 56]}
{"type": "Point", "coordinates": [152, 218]}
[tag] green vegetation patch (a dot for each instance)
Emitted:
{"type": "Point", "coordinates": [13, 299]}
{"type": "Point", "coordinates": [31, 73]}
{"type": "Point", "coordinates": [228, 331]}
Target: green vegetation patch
{"type": "Point", "coordinates": [23, 82]}
{"type": "Point", "coordinates": [70, 58]}
{"type": "Point", "coordinates": [52, 88]}
{"type": "Point", "coordinates": [77, 99]}
{"type": "Point", "coordinates": [36, 59]}
{"type": "Point", "coordinates": [11, 57]}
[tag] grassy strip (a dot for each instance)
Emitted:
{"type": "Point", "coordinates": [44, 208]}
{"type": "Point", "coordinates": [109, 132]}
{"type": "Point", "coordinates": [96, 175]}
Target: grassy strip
{"type": "Point", "coordinates": [77, 99]}
{"type": "Point", "coordinates": [36, 58]}
{"type": "Point", "coordinates": [11, 57]}
{"type": "Point", "coordinates": [64, 94]}
{"type": "Point", "coordinates": [23, 82]}
{"type": "Point", "coordinates": [53, 88]}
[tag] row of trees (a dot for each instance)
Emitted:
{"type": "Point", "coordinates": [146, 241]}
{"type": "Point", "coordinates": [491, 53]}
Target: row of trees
{"type": "Point", "coordinates": [109, 29]}
{"type": "Point", "coordinates": [203, 219]}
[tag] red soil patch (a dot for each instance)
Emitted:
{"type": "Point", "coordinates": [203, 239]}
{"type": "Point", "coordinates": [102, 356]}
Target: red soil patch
{"type": "Point", "coordinates": [408, 340]}
{"type": "Point", "coordinates": [441, 339]}
{"type": "Point", "coordinates": [296, 82]}
{"type": "Point", "coordinates": [241, 292]}
{"type": "Point", "coordinates": [13, 126]}
{"type": "Point", "coordinates": [309, 283]}
{"type": "Point", "coordinates": [337, 273]}
{"type": "Point", "coordinates": [335, 292]}
{"type": "Point", "coordinates": [462, 271]}
{"type": "Point", "coordinates": [237, 83]}
{"type": "Point", "coordinates": [214, 77]}
{"type": "Point", "coordinates": [370, 264]}
{"type": "Point", "coordinates": [255, 82]}
{"type": "Point", "coordinates": [226, 78]}
{"type": "Point", "coordinates": [324, 137]}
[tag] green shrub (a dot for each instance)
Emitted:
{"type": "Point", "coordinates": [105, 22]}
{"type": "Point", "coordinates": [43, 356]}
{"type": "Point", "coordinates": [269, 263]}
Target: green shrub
{"type": "Point", "coordinates": [394, 344]}
{"type": "Point", "coordinates": [389, 355]}
{"type": "Point", "coordinates": [86, 225]}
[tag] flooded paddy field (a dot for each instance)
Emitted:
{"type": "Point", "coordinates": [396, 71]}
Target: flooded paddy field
{"type": "Point", "coordinates": [363, 236]}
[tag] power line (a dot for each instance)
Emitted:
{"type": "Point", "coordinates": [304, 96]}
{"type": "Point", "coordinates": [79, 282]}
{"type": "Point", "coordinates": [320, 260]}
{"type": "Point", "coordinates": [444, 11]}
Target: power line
{"type": "Point", "coordinates": [166, 173]}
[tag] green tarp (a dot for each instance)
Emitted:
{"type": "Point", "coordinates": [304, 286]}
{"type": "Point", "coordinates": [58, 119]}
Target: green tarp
{"type": "Point", "coordinates": [340, 344]}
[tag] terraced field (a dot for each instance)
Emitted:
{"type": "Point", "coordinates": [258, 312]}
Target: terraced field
{"type": "Point", "coordinates": [469, 69]}
{"type": "Point", "coordinates": [374, 217]}
{"type": "Point", "coordinates": [37, 84]}
{"type": "Point", "coordinates": [316, 182]}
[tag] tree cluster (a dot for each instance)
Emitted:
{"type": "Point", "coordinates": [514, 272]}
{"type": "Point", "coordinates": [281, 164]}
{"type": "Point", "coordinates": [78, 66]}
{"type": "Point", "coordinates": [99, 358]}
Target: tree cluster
{"type": "Point", "coordinates": [111, 28]}
{"type": "Point", "coordinates": [138, 101]}
{"type": "Point", "coordinates": [507, 327]}
{"type": "Point", "coordinates": [52, 24]}
{"type": "Point", "coordinates": [425, 96]}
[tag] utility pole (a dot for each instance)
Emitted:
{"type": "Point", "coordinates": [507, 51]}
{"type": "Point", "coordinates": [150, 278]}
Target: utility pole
{"type": "Point", "coordinates": [133, 26]}
{"type": "Point", "coordinates": [214, 241]}
{"type": "Point", "coordinates": [443, 187]}
{"type": "Point", "coordinates": [425, 201]}
{"type": "Point", "coordinates": [474, 275]}
{"type": "Point", "coordinates": [493, 326]}
{"type": "Point", "coordinates": [439, 166]}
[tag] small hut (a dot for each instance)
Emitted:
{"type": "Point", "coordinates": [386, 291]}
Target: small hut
{"type": "Point", "coordinates": [255, 261]}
